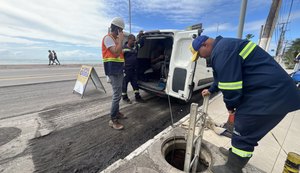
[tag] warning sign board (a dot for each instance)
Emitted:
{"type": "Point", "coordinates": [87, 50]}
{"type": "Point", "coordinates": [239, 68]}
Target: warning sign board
{"type": "Point", "coordinates": [85, 73]}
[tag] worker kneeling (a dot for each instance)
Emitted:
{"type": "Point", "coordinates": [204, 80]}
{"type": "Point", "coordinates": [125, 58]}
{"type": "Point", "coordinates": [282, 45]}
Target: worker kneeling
{"type": "Point", "coordinates": [254, 86]}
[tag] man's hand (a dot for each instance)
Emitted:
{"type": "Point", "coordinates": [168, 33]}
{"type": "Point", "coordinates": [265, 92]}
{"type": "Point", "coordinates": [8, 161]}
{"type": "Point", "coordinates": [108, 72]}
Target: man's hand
{"type": "Point", "coordinates": [231, 111]}
{"type": "Point", "coordinates": [120, 36]}
{"type": "Point", "coordinates": [205, 92]}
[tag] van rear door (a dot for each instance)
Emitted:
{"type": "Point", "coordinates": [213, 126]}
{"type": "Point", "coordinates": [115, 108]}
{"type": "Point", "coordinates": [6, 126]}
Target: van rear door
{"type": "Point", "coordinates": [181, 70]}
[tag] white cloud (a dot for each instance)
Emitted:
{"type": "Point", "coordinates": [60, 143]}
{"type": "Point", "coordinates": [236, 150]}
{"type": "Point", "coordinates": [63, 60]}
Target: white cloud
{"type": "Point", "coordinates": [177, 11]}
{"type": "Point", "coordinates": [71, 21]}
{"type": "Point", "coordinates": [77, 53]}
{"type": "Point", "coordinates": [219, 27]}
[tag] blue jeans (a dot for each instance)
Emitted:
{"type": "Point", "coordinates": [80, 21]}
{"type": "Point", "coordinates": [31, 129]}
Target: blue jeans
{"type": "Point", "coordinates": [116, 83]}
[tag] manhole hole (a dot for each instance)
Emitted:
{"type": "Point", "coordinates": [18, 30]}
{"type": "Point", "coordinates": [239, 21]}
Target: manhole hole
{"type": "Point", "coordinates": [8, 133]}
{"type": "Point", "coordinates": [173, 151]}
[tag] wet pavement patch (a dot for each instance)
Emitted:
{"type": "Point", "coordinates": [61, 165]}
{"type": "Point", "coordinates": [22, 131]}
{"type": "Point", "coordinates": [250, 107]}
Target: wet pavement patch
{"type": "Point", "coordinates": [8, 133]}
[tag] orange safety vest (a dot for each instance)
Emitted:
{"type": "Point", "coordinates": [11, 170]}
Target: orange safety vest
{"type": "Point", "coordinates": [108, 56]}
{"type": "Point", "coordinates": [113, 64]}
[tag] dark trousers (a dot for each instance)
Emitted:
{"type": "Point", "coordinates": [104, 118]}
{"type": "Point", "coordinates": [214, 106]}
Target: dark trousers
{"type": "Point", "coordinates": [55, 59]}
{"type": "Point", "coordinates": [249, 129]}
{"type": "Point", "coordinates": [130, 76]}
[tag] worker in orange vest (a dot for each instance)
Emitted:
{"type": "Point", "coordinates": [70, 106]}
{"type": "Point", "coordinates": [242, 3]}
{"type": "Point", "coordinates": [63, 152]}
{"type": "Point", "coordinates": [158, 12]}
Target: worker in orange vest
{"type": "Point", "coordinates": [113, 61]}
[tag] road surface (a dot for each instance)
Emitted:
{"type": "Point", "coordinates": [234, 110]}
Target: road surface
{"type": "Point", "coordinates": [44, 127]}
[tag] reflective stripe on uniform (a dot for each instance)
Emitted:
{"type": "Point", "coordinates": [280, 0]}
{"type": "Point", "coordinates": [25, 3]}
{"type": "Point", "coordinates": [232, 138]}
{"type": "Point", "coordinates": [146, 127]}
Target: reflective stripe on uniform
{"type": "Point", "coordinates": [126, 50]}
{"type": "Point", "coordinates": [230, 85]}
{"type": "Point", "coordinates": [113, 59]}
{"type": "Point", "coordinates": [241, 153]}
{"type": "Point", "coordinates": [247, 50]}
{"type": "Point", "coordinates": [136, 91]}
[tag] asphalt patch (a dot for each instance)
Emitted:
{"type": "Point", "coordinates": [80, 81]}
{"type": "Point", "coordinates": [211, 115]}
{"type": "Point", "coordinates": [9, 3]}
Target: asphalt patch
{"type": "Point", "coordinates": [92, 146]}
{"type": "Point", "coordinates": [8, 133]}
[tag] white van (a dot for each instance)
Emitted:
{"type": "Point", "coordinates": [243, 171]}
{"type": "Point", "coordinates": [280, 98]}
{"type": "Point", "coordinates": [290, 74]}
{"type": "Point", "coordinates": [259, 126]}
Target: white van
{"type": "Point", "coordinates": [178, 76]}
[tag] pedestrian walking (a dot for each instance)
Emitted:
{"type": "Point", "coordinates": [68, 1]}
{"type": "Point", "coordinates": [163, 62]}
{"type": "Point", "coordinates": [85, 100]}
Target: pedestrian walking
{"type": "Point", "coordinates": [50, 57]}
{"type": "Point", "coordinates": [254, 86]}
{"type": "Point", "coordinates": [113, 61]}
{"type": "Point", "coordinates": [130, 50]}
{"type": "Point", "coordinates": [55, 58]}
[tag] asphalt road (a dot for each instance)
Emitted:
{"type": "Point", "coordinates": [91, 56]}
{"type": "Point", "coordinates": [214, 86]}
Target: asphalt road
{"type": "Point", "coordinates": [44, 127]}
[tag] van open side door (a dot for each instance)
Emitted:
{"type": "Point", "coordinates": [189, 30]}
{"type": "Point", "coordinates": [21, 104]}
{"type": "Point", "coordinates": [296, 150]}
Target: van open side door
{"type": "Point", "coordinates": [181, 71]}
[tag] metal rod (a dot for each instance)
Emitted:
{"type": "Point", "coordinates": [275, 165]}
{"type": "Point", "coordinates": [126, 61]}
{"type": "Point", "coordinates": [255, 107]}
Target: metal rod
{"type": "Point", "coordinates": [190, 137]}
{"type": "Point", "coordinates": [200, 135]}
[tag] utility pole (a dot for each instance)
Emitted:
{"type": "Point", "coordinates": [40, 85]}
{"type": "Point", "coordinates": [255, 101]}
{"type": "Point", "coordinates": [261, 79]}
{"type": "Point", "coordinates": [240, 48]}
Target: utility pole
{"type": "Point", "coordinates": [280, 41]}
{"type": "Point", "coordinates": [260, 33]}
{"type": "Point", "coordinates": [270, 25]}
{"type": "Point", "coordinates": [242, 18]}
{"type": "Point", "coordinates": [129, 16]}
{"type": "Point", "coordinates": [279, 53]}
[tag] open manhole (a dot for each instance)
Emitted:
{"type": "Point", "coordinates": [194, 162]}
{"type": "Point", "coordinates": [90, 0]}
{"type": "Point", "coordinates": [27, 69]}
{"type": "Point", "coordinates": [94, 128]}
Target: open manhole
{"type": "Point", "coordinates": [173, 150]}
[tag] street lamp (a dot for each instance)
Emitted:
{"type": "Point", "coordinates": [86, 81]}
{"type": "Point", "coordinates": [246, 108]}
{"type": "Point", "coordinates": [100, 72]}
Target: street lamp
{"type": "Point", "coordinates": [129, 16]}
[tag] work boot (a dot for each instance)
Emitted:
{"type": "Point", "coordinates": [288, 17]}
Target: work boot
{"type": "Point", "coordinates": [127, 100]}
{"type": "Point", "coordinates": [224, 151]}
{"type": "Point", "coordinates": [121, 116]}
{"type": "Point", "coordinates": [234, 164]}
{"type": "Point", "coordinates": [139, 99]}
{"type": "Point", "coordinates": [115, 124]}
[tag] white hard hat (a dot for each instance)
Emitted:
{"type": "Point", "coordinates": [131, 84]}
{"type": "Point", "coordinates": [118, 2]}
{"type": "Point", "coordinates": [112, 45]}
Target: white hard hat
{"type": "Point", "coordinates": [119, 22]}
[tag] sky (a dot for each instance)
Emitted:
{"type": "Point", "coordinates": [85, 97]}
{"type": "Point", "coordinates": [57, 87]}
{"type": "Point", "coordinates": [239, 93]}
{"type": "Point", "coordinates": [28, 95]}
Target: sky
{"type": "Point", "coordinates": [75, 28]}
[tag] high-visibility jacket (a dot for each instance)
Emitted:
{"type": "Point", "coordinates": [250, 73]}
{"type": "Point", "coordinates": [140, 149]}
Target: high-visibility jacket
{"type": "Point", "coordinates": [251, 80]}
{"type": "Point", "coordinates": [130, 55]}
{"type": "Point", "coordinates": [113, 64]}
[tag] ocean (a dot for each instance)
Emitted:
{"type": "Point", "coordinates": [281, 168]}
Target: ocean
{"type": "Point", "coordinates": [45, 61]}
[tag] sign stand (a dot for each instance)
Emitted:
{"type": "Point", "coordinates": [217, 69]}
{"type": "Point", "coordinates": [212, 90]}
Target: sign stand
{"type": "Point", "coordinates": [85, 73]}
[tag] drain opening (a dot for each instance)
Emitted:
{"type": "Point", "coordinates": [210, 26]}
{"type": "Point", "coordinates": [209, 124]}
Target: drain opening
{"type": "Point", "coordinates": [173, 151]}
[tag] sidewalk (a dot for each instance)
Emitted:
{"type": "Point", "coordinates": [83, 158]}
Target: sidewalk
{"type": "Point", "coordinates": [268, 154]}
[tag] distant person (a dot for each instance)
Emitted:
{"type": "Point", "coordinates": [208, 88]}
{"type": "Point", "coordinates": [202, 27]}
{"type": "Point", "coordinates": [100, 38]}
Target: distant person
{"type": "Point", "coordinates": [157, 58]}
{"type": "Point", "coordinates": [130, 50]}
{"type": "Point", "coordinates": [50, 57]}
{"type": "Point", "coordinates": [141, 33]}
{"type": "Point", "coordinates": [55, 58]}
{"type": "Point", "coordinates": [113, 61]}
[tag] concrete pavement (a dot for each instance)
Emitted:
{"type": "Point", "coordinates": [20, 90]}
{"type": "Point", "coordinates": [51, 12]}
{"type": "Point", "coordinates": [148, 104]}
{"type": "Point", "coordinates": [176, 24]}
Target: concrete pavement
{"type": "Point", "coordinates": [268, 155]}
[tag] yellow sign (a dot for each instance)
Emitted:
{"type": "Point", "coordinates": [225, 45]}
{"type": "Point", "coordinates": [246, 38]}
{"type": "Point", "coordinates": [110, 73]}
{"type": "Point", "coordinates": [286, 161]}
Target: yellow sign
{"type": "Point", "coordinates": [83, 76]}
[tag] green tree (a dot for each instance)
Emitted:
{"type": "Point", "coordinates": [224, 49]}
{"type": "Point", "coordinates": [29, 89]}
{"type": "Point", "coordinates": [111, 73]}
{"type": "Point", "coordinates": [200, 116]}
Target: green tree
{"type": "Point", "coordinates": [249, 36]}
{"type": "Point", "coordinates": [291, 53]}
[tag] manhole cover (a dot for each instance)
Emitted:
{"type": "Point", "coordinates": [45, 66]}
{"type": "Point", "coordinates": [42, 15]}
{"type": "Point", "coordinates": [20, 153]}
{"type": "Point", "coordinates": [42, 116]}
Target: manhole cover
{"type": "Point", "coordinates": [8, 133]}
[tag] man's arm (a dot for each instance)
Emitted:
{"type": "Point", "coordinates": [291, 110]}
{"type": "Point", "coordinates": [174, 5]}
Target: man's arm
{"type": "Point", "coordinates": [230, 78]}
{"type": "Point", "coordinates": [117, 47]}
{"type": "Point", "coordinates": [155, 59]}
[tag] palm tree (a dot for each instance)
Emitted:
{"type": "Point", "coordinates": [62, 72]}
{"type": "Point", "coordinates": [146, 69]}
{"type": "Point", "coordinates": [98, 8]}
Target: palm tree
{"type": "Point", "coordinates": [291, 53]}
{"type": "Point", "coordinates": [249, 36]}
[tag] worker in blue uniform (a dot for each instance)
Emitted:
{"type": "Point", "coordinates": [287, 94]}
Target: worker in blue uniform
{"type": "Point", "coordinates": [130, 50]}
{"type": "Point", "coordinates": [254, 86]}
